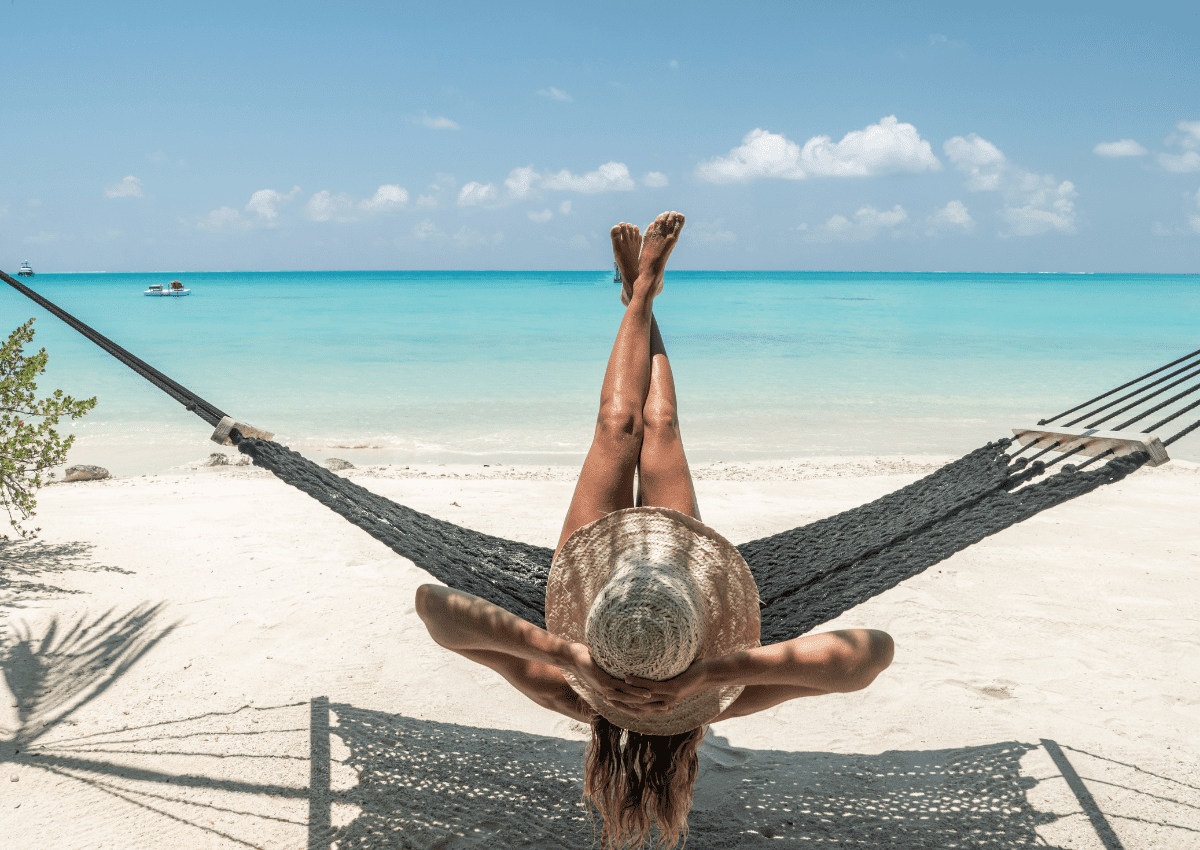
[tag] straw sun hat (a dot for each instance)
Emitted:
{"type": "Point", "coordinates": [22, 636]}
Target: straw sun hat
{"type": "Point", "coordinates": [649, 590]}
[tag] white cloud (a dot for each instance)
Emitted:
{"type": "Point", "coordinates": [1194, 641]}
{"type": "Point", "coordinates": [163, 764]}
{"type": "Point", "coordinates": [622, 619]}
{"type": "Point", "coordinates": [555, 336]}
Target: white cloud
{"type": "Point", "coordinates": [1047, 207]}
{"type": "Point", "coordinates": [610, 177]}
{"type": "Point", "coordinates": [446, 183]}
{"type": "Point", "coordinates": [979, 158]}
{"type": "Point", "coordinates": [555, 94]}
{"type": "Point", "coordinates": [130, 187]}
{"type": "Point", "coordinates": [1125, 147]}
{"type": "Point", "coordinates": [564, 208]}
{"type": "Point", "coordinates": [540, 217]}
{"type": "Point", "coordinates": [578, 241]}
{"type": "Point", "coordinates": [468, 238]}
{"type": "Point", "coordinates": [1186, 161]}
{"type": "Point", "coordinates": [761, 154]}
{"type": "Point", "coordinates": [478, 195]}
{"type": "Point", "coordinates": [42, 238]}
{"type": "Point", "coordinates": [867, 222]}
{"type": "Point", "coordinates": [524, 183]}
{"type": "Point", "coordinates": [1034, 203]}
{"type": "Point", "coordinates": [877, 149]}
{"type": "Point", "coordinates": [440, 123]}
{"type": "Point", "coordinates": [655, 180]}
{"type": "Point", "coordinates": [1188, 135]}
{"type": "Point", "coordinates": [222, 220]}
{"type": "Point", "coordinates": [387, 198]}
{"type": "Point", "coordinates": [521, 182]}
{"type": "Point", "coordinates": [1188, 138]}
{"type": "Point", "coordinates": [954, 214]}
{"type": "Point", "coordinates": [674, 63]}
{"type": "Point", "coordinates": [325, 206]}
{"type": "Point", "coordinates": [709, 233]}
{"type": "Point", "coordinates": [266, 202]}
{"type": "Point", "coordinates": [427, 230]}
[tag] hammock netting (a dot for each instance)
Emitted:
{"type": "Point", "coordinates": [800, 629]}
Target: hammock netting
{"type": "Point", "coordinates": [806, 576]}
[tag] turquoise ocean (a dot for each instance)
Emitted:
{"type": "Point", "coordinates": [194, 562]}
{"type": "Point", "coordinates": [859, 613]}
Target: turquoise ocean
{"type": "Point", "coordinates": [505, 367]}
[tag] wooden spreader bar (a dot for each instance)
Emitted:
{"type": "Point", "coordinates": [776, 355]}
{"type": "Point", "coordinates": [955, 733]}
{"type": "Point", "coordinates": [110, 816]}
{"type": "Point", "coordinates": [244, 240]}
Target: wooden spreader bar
{"type": "Point", "coordinates": [1092, 442]}
{"type": "Point", "coordinates": [221, 435]}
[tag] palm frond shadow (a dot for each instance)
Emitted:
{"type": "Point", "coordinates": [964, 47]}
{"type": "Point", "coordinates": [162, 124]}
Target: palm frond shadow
{"type": "Point", "coordinates": [71, 662]}
{"type": "Point", "coordinates": [23, 563]}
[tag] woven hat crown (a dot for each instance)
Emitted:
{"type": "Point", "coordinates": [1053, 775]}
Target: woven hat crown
{"type": "Point", "coordinates": [649, 590]}
{"type": "Point", "coordinates": [647, 620]}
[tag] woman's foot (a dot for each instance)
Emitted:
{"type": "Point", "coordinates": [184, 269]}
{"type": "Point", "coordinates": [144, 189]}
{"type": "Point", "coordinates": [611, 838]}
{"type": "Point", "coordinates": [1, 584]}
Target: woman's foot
{"type": "Point", "coordinates": [627, 246]}
{"type": "Point", "coordinates": [657, 246]}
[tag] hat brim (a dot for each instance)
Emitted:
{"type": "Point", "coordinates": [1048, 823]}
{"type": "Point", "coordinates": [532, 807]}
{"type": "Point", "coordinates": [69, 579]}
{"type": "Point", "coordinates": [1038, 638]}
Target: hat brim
{"type": "Point", "coordinates": [730, 601]}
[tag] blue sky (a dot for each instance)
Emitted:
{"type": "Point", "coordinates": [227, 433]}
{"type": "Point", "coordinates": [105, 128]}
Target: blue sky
{"type": "Point", "coordinates": [1022, 137]}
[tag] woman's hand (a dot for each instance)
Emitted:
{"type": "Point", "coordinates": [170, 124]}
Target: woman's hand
{"type": "Point", "coordinates": [665, 695]}
{"type": "Point", "coordinates": [632, 698]}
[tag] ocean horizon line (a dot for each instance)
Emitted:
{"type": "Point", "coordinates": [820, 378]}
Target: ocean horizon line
{"type": "Point", "coordinates": [609, 271]}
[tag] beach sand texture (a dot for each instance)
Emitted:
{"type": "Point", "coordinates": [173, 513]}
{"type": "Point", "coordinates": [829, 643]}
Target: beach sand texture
{"type": "Point", "coordinates": [210, 658]}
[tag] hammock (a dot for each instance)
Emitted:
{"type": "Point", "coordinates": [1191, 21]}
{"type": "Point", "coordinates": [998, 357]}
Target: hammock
{"type": "Point", "coordinates": [806, 576]}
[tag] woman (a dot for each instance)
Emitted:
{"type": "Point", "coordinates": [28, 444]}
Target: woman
{"type": "Point", "coordinates": [652, 616]}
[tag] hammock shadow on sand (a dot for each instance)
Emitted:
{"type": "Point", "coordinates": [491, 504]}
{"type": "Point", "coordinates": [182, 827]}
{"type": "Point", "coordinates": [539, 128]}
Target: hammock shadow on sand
{"type": "Point", "coordinates": [399, 782]}
{"type": "Point", "coordinates": [806, 576]}
{"type": "Point", "coordinates": [424, 784]}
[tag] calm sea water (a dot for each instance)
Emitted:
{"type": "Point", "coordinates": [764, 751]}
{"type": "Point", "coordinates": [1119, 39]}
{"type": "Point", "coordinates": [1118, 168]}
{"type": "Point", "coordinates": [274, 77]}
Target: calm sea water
{"type": "Point", "coordinates": [505, 367]}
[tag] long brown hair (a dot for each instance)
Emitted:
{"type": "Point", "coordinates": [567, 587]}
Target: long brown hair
{"type": "Point", "coordinates": [637, 782]}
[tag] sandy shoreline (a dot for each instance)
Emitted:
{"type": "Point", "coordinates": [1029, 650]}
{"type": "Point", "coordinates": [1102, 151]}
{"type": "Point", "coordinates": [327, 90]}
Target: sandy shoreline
{"type": "Point", "coordinates": [235, 628]}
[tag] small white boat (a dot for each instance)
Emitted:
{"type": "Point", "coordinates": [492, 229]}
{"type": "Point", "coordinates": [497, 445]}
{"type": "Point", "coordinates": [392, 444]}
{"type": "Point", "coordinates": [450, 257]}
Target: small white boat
{"type": "Point", "coordinates": [25, 271]}
{"type": "Point", "coordinates": [175, 288]}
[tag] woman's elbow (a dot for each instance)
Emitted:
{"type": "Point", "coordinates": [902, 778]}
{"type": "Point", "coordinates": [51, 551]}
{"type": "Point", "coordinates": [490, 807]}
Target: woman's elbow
{"type": "Point", "coordinates": [430, 605]}
{"type": "Point", "coordinates": [423, 601]}
{"type": "Point", "coordinates": [874, 656]}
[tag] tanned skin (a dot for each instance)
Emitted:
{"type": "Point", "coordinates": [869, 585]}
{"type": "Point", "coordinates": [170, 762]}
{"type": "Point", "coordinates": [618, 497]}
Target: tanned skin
{"type": "Point", "coordinates": [637, 431]}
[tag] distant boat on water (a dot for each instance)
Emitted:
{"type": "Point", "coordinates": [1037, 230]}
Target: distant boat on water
{"type": "Point", "coordinates": [25, 271]}
{"type": "Point", "coordinates": [175, 288]}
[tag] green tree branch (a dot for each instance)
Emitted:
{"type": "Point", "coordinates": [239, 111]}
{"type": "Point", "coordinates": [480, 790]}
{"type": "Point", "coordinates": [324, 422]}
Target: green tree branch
{"type": "Point", "coordinates": [29, 444]}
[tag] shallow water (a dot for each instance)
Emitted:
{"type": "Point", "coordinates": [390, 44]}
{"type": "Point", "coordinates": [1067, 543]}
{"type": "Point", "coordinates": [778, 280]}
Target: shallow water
{"type": "Point", "coordinates": [506, 366]}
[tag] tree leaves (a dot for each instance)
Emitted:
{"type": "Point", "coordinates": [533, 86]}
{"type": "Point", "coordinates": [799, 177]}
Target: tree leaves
{"type": "Point", "coordinates": [29, 444]}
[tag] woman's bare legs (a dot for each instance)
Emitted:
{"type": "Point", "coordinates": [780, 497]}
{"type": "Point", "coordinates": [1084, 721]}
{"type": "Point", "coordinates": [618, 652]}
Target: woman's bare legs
{"type": "Point", "coordinates": [606, 480]}
{"type": "Point", "coordinates": [664, 479]}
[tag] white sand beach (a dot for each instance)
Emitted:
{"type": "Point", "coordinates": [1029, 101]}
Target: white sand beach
{"type": "Point", "coordinates": [210, 658]}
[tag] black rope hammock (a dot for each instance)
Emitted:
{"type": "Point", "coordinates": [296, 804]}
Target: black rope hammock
{"type": "Point", "coordinates": [806, 576]}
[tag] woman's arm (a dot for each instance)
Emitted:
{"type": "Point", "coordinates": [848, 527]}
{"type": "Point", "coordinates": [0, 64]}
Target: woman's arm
{"type": "Point", "coordinates": [813, 665]}
{"type": "Point", "coordinates": [530, 658]}
{"type": "Point", "coordinates": [831, 662]}
{"type": "Point", "coordinates": [459, 621]}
